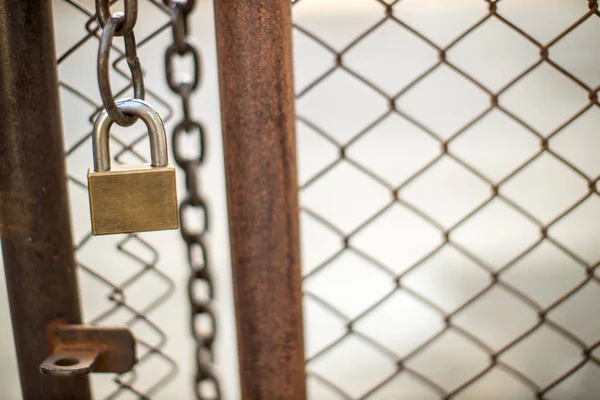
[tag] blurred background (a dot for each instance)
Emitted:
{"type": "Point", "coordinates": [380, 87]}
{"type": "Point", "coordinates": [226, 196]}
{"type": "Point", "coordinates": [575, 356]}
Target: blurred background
{"type": "Point", "coordinates": [448, 172]}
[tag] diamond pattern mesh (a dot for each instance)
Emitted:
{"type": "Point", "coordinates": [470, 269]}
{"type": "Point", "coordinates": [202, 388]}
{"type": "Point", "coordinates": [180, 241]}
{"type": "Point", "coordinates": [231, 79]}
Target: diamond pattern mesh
{"type": "Point", "coordinates": [449, 192]}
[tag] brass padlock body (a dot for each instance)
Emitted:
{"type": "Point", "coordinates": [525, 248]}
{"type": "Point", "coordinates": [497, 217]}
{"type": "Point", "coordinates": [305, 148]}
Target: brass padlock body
{"type": "Point", "coordinates": [133, 198]}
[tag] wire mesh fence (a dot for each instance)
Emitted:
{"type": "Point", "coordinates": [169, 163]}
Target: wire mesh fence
{"type": "Point", "coordinates": [449, 191]}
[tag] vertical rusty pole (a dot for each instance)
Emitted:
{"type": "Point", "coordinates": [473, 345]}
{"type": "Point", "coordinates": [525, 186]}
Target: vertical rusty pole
{"type": "Point", "coordinates": [254, 47]}
{"type": "Point", "coordinates": [35, 229]}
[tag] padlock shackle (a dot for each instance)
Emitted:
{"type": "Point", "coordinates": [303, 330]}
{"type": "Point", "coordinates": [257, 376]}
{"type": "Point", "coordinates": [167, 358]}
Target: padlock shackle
{"type": "Point", "coordinates": [145, 112]}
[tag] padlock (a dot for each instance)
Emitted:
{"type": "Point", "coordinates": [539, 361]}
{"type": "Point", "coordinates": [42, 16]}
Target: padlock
{"type": "Point", "coordinates": [136, 197]}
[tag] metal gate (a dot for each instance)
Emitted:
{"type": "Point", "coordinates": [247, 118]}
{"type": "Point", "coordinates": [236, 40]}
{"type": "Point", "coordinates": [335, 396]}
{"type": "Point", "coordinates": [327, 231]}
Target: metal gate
{"type": "Point", "coordinates": [447, 189]}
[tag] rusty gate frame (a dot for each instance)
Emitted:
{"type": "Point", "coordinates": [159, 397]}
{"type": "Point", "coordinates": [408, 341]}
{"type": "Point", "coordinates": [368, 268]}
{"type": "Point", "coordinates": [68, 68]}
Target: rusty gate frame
{"type": "Point", "coordinates": [254, 49]}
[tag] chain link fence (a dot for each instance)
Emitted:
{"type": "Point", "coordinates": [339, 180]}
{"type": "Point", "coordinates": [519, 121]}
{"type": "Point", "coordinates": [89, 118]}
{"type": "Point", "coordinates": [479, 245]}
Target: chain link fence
{"type": "Point", "coordinates": [449, 191]}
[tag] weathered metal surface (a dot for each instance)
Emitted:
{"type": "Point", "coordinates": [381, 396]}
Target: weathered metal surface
{"type": "Point", "coordinates": [78, 350]}
{"type": "Point", "coordinates": [133, 198]}
{"type": "Point", "coordinates": [257, 105]}
{"type": "Point", "coordinates": [34, 215]}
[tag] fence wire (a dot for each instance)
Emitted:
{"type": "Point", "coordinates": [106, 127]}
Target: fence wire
{"type": "Point", "coordinates": [459, 271]}
{"type": "Point", "coordinates": [120, 281]}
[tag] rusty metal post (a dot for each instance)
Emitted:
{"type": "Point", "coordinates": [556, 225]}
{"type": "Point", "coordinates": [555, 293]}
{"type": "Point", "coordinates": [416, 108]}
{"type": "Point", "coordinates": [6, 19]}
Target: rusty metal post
{"type": "Point", "coordinates": [254, 47]}
{"type": "Point", "coordinates": [37, 246]}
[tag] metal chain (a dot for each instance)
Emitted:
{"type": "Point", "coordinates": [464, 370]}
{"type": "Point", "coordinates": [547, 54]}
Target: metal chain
{"type": "Point", "coordinates": [118, 24]}
{"type": "Point", "coordinates": [130, 17]}
{"type": "Point", "coordinates": [200, 284]}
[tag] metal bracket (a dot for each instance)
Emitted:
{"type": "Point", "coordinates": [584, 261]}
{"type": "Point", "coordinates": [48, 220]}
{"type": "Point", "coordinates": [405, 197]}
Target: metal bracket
{"type": "Point", "coordinates": [77, 350]}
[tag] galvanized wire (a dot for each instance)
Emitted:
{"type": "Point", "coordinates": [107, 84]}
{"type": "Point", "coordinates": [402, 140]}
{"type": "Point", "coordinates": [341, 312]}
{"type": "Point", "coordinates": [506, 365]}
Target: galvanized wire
{"type": "Point", "coordinates": [404, 365]}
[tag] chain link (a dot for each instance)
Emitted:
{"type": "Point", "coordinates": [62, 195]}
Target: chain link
{"type": "Point", "coordinates": [118, 24]}
{"type": "Point", "coordinates": [103, 69]}
{"type": "Point", "coordinates": [184, 86]}
{"type": "Point", "coordinates": [193, 206]}
{"type": "Point", "coordinates": [130, 17]}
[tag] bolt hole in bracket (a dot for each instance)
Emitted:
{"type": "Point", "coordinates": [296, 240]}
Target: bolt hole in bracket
{"type": "Point", "coordinates": [78, 350]}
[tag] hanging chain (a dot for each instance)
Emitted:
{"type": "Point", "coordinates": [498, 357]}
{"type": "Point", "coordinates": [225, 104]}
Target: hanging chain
{"type": "Point", "coordinates": [118, 24]}
{"type": "Point", "coordinates": [200, 284]}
